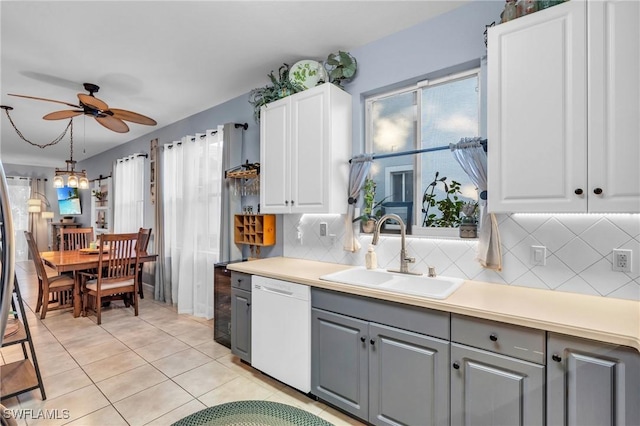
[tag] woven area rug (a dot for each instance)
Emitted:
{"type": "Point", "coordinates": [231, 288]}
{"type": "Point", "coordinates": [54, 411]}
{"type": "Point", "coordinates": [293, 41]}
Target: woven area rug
{"type": "Point", "coordinates": [252, 413]}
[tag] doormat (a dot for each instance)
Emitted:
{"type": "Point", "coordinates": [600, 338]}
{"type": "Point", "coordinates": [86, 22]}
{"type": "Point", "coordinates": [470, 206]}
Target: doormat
{"type": "Point", "coordinates": [252, 413]}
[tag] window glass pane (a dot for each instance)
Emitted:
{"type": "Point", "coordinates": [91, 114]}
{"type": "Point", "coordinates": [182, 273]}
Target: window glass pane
{"type": "Point", "coordinates": [393, 124]}
{"type": "Point", "coordinates": [449, 112]}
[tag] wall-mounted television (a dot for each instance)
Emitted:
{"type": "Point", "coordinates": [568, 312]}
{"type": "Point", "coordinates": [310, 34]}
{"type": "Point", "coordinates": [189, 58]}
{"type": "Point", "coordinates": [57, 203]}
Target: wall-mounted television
{"type": "Point", "coordinates": [69, 201]}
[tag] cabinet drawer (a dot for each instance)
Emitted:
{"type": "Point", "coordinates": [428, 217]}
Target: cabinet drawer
{"type": "Point", "coordinates": [519, 342]}
{"type": "Point", "coordinates": [241, 281]}
{"type": "Point", "coordinates": [413, 318]}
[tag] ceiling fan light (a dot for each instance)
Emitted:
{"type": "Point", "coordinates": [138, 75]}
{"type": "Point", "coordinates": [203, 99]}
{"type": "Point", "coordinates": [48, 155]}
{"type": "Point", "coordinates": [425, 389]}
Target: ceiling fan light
{"type": "Point", "coordinates": [58, 181]}
{"type": "Point", "coordinates": [72, 181]}
{"type": "Point", "coordinates": [83, 183]}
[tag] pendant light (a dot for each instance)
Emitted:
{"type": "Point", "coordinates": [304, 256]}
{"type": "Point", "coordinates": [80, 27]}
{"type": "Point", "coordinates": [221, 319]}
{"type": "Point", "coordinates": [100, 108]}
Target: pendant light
{"type": "Point", "coordinates": [74, 179]}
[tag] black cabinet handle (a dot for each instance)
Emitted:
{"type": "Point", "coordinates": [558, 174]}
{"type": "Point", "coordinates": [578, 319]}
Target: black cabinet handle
{"type": "Point", "coordinates": [372, 341]}
{"type": "Point", "coordinates": [456, 365]}
{"type": "Point", "coordinates": [578, 191]}
{"type": "Point", "coordinates": [286, 203]}
{"type": "Point", "coordinates": [556, 357]}
{"type": "Point", "coordinates": [363, 339]}
{"type": "Point", "coordinates": [597, 191]}
{"type": "Point", "coordinates": [292, 202]}
{"type": "Point", "coordinates": [248, 304]}
{"type": "Point", "coordinates": [493, 337]}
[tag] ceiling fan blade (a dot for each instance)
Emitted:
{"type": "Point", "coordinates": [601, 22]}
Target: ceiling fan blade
{"type": "Point", "coordinates": [92, 101]}
{"type": "Point", "coordinates": [114, 124]}
{"type": "Point", "coordinates": [133, 117]}
{"type": "Point", "coordinates": [45, 99]}
{"type": "Point", "coordinates": [61, 115]}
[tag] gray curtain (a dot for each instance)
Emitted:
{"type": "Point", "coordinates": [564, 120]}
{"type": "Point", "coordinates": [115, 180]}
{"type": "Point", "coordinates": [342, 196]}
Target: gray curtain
{"type": "Point", "coordinates": [162, 287]}
{"type": "Point", "coordinates": [358, 172]}
{"type": "Point", "coordinates": [473, 159]}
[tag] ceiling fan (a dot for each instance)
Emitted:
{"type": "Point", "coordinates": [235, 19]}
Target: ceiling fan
{"type": "Point", "coordinates": [111, 118]}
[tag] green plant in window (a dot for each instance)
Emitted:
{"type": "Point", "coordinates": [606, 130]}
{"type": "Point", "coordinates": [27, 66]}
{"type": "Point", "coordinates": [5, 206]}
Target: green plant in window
{"type": "Point", "coordinates": [450, 206]}
{"type": "Point", "coordinates": [371, 210]}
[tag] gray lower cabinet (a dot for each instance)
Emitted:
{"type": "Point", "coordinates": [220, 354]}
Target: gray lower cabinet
{"type": "Point", "coordinates": [490, 389]}
{"type": "Point", "coordinates": [591, 383]}
{"type": "Point", "coordinates": [381, 374]}
{"type": "Point", "coordinates": [241, 316]}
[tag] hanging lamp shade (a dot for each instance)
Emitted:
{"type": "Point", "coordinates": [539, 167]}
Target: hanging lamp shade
{"type": "Point", "coordinates": [72, 181]}
{"type": "Point", "coordinates": [47, 215]}
{"type": "Point", "coordinates": [58, 181]}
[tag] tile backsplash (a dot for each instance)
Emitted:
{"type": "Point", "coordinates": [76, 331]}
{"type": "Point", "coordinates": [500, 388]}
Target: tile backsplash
{"type": "Point", "coordinates": [578, 257]}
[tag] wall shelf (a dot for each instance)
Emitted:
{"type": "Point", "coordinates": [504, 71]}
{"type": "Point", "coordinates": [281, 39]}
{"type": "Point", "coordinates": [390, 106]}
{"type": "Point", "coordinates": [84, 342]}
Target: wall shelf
{"type": "Point", "coordinates": [254, 229]}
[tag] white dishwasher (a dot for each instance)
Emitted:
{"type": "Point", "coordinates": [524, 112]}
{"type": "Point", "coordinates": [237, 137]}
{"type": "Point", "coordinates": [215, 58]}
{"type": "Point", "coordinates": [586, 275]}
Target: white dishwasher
{"type": "Point", "coordinates": [281, 331]}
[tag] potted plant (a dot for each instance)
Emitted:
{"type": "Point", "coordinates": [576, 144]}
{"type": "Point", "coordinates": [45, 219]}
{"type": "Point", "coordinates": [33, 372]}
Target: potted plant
{"type": "Point", "coordinates": [450, 206]}
{"type": "Point", "coordinates": [100, 197]}
{"type": "Point", "coordinates": [469, 223]}
{"type": "Point", "coordinates": [341, 67]}
{"type": "Point", "coordinates": [279, 88]}
{"type": "Point", "coordinates": [370, 208]}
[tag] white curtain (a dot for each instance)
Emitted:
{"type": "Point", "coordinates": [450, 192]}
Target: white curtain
{"type": "Point", "coordinates": [358, 171]}
{"type": "Point", "coordinates": [128, 206]}
{"type": "Point", "coordinates": [19, 192]}
{"type": "Point", "coordinates": [473, 159]}
{"type": "Point", "coordinates": [192, 184]}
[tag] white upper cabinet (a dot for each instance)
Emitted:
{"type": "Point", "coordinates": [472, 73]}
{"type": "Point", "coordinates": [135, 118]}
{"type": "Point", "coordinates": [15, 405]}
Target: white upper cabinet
{"type": "Point", "coordinates": [305, 143]}
{"type": "Point", "coordinates": [563, 110]}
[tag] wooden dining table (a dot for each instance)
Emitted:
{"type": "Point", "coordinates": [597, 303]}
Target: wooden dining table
{"type": "Point", "coordinates": [76, 261]}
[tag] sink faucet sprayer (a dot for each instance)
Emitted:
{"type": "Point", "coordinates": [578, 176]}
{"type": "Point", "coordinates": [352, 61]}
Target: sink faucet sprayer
{"type": "Point", "coordinates": [404, 260]}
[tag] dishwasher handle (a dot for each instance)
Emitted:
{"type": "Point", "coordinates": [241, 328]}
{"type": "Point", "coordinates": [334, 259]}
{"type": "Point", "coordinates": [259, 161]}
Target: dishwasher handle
{"type": "Point", "coordinates": [273, 290]}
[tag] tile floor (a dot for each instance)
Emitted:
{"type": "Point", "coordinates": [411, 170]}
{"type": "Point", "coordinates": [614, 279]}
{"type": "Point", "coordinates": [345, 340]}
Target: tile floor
{"type": "Point", "coordinates": [148, 370]}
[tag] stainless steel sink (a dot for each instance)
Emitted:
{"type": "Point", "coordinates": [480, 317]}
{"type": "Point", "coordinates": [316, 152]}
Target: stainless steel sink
{"type": "Point", "coordinates": [431, 287]}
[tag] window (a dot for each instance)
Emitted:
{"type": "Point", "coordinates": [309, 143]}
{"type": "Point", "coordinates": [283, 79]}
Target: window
{"type": "Point", "coordinates": [427, 115]}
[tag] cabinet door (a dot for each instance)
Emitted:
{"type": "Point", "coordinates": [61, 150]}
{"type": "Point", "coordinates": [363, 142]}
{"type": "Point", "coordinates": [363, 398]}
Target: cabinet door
{"type": "Point", "coordinates": [490, 389]}
{"type": "Point", "coordinates": [537, 110]}
{"type": "Point", "coordinates": [339, 361]}
{"type": "Point", "coordinates": [310, 139]}
{"type": "Point", "coordinates": [274, 157]}
{"type": "Point", "coordinates": [408, 378]}
{"type": "Point", "coordinates": [614, 106]}
{"type": "Point", "coordinates": [591, 383]}
{"type": "Point", "coordinates": [241, 324]}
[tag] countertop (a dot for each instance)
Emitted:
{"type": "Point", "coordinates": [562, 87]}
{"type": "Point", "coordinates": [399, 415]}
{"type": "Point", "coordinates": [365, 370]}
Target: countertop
{"type": "Point", "coordinates": [609, 320]}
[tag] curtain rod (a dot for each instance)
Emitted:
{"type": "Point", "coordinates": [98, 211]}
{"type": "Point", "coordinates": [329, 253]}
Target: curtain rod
{"type": "Point", "coordinates": [483, 142]}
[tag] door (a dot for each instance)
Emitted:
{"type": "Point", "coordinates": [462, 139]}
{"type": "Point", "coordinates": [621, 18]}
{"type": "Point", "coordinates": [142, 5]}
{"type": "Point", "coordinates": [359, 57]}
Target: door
{"type": "Point", "coordinates": [614, 106]}
{"type": "Point", "coordinates": [489, 389]}
{"type": "Point", "coordinates": [241, 324]}
{"type": "Point", "coordinates": [591, 383]}
{"type": "Point", "coordinates": [275, 165]}
{"type": "Point", "coordinates": [537, 111]}
{"type": "Point", "coordinates": [340, 370]}
{"type": "Point", "coordinates": [310, 123]}
{"type": "Point", "coordinates": [408, 378]}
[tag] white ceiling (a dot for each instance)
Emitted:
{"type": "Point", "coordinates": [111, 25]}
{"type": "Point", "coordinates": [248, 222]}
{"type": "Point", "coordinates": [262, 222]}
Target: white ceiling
{"type": "Point", "coordinates": [164, 59]}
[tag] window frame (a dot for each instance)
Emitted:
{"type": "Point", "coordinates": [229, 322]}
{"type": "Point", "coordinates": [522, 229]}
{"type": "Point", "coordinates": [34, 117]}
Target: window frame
{"type": "Point", "coordinates": [417, 89]}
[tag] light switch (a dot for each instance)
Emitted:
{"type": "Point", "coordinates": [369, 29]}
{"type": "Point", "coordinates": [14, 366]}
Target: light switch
{"type": "Point", "coordinates": [539, 255]}
{"type": "Point", "coordinates": [323, 229]}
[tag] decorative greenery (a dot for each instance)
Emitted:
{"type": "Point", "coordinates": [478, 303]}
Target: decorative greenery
{"type": "Point", "coordinates": [370, 205]}
{"type": "Point", "coordinates": [341, 67]}
{"type": "Point", "coordinates": [469, 210]}
{"type": "Point", "coordinates": [279, 88]}
{"type": "Point", "coordinates": [450, 207]}
{"type": "Point", "coordinates": [99, 195]}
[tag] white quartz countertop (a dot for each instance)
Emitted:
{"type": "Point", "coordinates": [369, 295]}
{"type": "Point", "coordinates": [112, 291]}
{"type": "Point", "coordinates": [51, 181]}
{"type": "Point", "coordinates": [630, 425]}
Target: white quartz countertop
{"type": "Point", "coordinates": [608, 320]}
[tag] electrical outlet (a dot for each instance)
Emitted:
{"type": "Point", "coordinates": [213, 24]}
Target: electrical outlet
{"type": "Point", "coordinates": [323, 229]}
{"type": "Point", "coordinates": [622, 260]}
{"type": "Point", "coordinates": [538, 255]}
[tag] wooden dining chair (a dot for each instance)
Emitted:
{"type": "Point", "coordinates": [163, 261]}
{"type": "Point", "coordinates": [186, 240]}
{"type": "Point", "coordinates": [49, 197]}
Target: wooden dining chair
{"type": "Point", "coordinates": [143, 241]}
{"type": "Point", "coordinates": [117, 272]}
{"type": "Point", "coordinates": [75, 238]}
{"type": "Point", "coordinates": [54, 291]}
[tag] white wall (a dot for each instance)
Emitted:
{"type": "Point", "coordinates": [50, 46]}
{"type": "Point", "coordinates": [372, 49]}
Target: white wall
{"type": "Point", "coordinates": [579, 250]}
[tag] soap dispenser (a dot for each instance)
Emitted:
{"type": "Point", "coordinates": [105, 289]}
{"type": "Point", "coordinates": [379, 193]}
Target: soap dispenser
{"type": "Point", "coordinates": [370, 259]}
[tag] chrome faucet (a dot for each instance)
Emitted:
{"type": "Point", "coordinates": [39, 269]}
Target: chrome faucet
{"type": "Point", "coordinates": [404, 260]}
